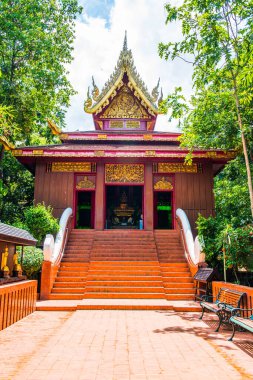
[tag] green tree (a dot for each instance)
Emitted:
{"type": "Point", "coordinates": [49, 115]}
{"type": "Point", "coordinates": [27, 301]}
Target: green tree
{"type": "Point", "coordinates": [217, 40]}
{"type": "Point", "coordinates": [39, 221]}
{"type": "Point", "coordinates": [35, 47]}
{"type": "Point", "coordinates": [16, 192]}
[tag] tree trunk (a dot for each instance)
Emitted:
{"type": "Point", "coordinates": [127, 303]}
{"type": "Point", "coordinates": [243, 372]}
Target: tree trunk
{"type": "Point", "coordinates": [245, 151]}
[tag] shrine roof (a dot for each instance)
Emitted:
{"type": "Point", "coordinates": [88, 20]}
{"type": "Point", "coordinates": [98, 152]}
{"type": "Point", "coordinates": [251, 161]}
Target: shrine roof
{"type": "Point", "coordinates": [16, 235]}
{"type": "Point", "coordinates": [125, 65]}
{"type": "Point", "coordinates": [145, 150]}
{"type": "Point", "coordinates": [116, 136]}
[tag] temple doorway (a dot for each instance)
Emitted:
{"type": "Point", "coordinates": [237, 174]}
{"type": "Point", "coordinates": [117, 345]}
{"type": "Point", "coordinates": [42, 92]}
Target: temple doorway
{"type": "Point", "coordinates": [163, 218]}
{"type": "Point", "coordinates": [85, 209]}
{"type": "Point", "coordinates": [124, 207]}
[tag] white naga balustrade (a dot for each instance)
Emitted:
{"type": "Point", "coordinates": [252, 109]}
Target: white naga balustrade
{"type": "Point", "coordinates": [192, 247]}
{"type": "Point", "coordinates": [53, 249]}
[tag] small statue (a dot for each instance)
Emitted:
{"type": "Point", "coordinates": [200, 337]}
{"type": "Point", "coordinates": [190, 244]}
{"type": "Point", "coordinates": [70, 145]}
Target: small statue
{"type": "Point", "coordinates": [4, 260]}
{"type": "Point", "coordinates": [17, 270]}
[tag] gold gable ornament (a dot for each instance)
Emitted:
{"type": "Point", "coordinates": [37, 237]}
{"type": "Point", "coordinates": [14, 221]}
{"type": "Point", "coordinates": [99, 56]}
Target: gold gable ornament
{"type": "Point", "coordinates": [126, 106]}
{"type": "Point", "coordinates": [124, 173]}
{"type": "Point", "coordinates": [85, 183]}
{"type": "Point", "coordinates": [163, 184]}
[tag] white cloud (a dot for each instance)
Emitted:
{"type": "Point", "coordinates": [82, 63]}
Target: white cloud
{"type": "Point", "coordinates": [97, 48]}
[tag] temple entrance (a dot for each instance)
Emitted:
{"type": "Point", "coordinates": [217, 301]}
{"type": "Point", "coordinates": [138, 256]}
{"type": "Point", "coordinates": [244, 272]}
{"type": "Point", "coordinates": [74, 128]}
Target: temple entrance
{"type": "Point", "coordinates": [85, 209]}
{"type": "Point", "coordinates": [163, 219]}
{"type": "Point", "coordinates": [124, 207]}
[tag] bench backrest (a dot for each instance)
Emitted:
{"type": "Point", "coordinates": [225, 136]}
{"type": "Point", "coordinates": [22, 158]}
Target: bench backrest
{"type": "Point", "coordinates": [230, 297]}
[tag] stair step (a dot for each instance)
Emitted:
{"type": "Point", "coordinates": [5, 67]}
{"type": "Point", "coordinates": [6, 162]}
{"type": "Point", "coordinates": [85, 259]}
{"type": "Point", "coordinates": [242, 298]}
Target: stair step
{"type": "Point", "coordinates": [126, 295]}
{"type": "Point", "coordinates": [114, 283]}
{"type": "Point", "coordinates": [65, 296]}
{"type": "Point", "coordinates": [68, 290]}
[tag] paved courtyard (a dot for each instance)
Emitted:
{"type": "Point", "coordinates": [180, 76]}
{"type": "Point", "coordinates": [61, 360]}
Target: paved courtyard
{"type": "Point", "coordinates": [118, 345]}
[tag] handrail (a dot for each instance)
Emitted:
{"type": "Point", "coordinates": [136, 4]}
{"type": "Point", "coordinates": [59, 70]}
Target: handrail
{"type": "Point", "coordinates": [192, 247]}
{"type": "Point", "coordinates": [53, 250]}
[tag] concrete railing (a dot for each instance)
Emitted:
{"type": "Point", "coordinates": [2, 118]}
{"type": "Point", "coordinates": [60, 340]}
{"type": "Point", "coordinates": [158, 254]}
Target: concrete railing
{"type": "Point", "coordinates": [17, 300]}
{"type": "Point", "coordinates": [53, 251]}
{"type": "Point", "coordinates": [192, 247]}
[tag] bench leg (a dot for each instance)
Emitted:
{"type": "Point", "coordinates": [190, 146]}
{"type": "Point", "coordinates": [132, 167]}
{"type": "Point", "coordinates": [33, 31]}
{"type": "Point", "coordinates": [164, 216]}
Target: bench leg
{"type": "Point", "coordinates": [233, 333]}
{"type": "Point", "coordinates": [203, 310]}
{"type": "Point", "coordinates": [220, 321]}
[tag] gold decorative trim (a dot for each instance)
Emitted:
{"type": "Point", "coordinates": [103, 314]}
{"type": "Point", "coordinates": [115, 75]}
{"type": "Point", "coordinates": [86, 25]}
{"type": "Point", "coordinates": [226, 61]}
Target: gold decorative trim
{"type": "Point", "coordinates": [147, 137]}
{"type": "Point", "coordinates": [99, 153]}
{"type": "Point", "coordinates": [71, 167]}
{"type": "Point", "coordinates": [85, 183]}
{"type": "Point", "coordinates": [17, 152]}
{"type": "Point", "coordinates": [55, 130]}
{"type": "Point", "coordinates": [64, 136]}
{"type": "Point", "coordinates": [163, 184]}
{"type": "Point", "coordinates": [124, 173]}
{"type": "Point", "coordinates": [150, 153]}
{"type": "Point", "coordinates": [102, 137]}
{"type": "Point", "coordinates": [38, 152]}
{"type": "Point", "coordinates": [176, 168]}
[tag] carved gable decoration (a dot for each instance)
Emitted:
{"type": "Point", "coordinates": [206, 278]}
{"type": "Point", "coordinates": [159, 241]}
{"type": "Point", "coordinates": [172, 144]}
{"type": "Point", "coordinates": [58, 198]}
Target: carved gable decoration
{"type": "Point", "coordinates": [126, 173]}
{"type": "Point", "coordinates": [125, 106]}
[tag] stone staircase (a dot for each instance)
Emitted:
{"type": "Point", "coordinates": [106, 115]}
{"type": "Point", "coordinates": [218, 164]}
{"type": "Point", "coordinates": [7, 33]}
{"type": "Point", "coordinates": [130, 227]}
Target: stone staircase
{"type": "Point", "coordinates": [123, 264]}
{"type": "Point", "coordinates": [71, 277]}
{"type": "Point", "coordinates": [177, 280]}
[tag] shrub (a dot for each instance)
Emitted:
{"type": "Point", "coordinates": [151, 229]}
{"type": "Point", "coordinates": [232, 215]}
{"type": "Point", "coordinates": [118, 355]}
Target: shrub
{"type": "Point", "coordinates": [32, 261]}
{"type": "Point", "coordinates": [40, 221]}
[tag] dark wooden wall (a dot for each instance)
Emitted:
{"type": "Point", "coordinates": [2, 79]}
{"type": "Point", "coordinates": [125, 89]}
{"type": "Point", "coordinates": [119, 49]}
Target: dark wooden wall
{"type": "Point", "coordinates": [194, 193]}
{"type": "Point", "coordinates": [55, 189]}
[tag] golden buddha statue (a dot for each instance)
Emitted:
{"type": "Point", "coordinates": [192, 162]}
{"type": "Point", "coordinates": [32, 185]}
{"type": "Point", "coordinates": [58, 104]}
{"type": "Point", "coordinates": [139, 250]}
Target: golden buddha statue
{"type": "Point", "coordinates": [16, 265]}
{"type": "Point", "coordinates": [123, 209]}
{"type": "Point", "coordinates": [4, 267]}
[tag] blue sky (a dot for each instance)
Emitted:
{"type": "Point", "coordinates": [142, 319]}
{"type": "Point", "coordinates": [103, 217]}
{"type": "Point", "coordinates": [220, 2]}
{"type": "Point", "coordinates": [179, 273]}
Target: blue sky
{"type": "Point", "coordinates": [98, 8]}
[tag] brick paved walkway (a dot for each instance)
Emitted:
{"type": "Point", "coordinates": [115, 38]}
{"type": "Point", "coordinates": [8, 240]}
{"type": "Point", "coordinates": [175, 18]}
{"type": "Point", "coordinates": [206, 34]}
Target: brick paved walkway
{"type": "Point", "coordinates": [118, 345]}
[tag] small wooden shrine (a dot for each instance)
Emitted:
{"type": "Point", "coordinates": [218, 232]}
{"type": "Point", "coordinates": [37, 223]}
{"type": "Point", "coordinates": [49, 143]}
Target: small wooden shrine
{"type": "Point", "coordinates": [124, 171]}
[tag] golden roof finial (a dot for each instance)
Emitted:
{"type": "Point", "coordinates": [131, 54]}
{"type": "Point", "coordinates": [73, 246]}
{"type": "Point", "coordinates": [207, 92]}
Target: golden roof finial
{"type": "Point", "coordinates": [125, 42]}
{"type": "Point", "coordinates": [161, 97]}
{"type": "Point", "coordinates": [88, 101]}
{"type": "Point", "coordinates": [95, 90]}
{"type": "Point", "coordinates": [155, 91]}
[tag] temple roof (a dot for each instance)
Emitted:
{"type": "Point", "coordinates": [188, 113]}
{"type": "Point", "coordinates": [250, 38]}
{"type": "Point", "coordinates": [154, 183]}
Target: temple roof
{"type": "Point", "coordinates": [125, 66]}
{"type": "Point", "coordinates": [16, 235]}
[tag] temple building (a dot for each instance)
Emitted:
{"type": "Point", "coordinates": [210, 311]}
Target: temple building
{"type": "Point", "coordinates": [123, 175]}
{"type": "Point", "coordinates": [123, 191]}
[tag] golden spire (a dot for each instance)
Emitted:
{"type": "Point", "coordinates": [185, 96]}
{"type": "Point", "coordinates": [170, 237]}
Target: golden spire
{"type": "Point", "coordinates": [161, 98]}
{"type": "Point", "coordinates": [95, 90]}
{"type": "Point", "coordinates": [155, 91]}
{"type": "Point", "coordinates": [88, 101]}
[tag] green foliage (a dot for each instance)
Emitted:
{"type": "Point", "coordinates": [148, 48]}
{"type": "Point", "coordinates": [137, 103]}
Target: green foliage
{"type": "Point", "coordinates": [233, 219]}
{"type": "Point", "coordinates": [217, 41]}
{"type": "Point", "coordinates": [32, 261]}
{"type": "Point", "coordinates": [231, 194]}
{"type": "Point", "coordinates": [35, 47]}
{"type": "Point", "coordinates": [39, 221]}
{"type": "Point", "coordinates": [16, 190]}
{"type": "Point", "coordinates": [220, 240]}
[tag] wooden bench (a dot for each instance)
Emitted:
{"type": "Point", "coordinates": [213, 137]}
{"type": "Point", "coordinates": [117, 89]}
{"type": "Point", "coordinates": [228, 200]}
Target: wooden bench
{"type": "Point", "coordinates": [226, 301]}
{"type": "Point", "coordinates": [238, 320]}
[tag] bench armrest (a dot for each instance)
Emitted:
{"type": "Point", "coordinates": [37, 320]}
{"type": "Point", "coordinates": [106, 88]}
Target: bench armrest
{"type": "Point", "coordinates": [206, 298]}
{"type": "Point", "coordinates": [238, 311]}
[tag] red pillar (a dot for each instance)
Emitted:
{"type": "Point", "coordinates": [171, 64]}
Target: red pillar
{"type": "Point", "coordinates": [100, 197]}
{"type": "Point", "coordinates": [148, 198]}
